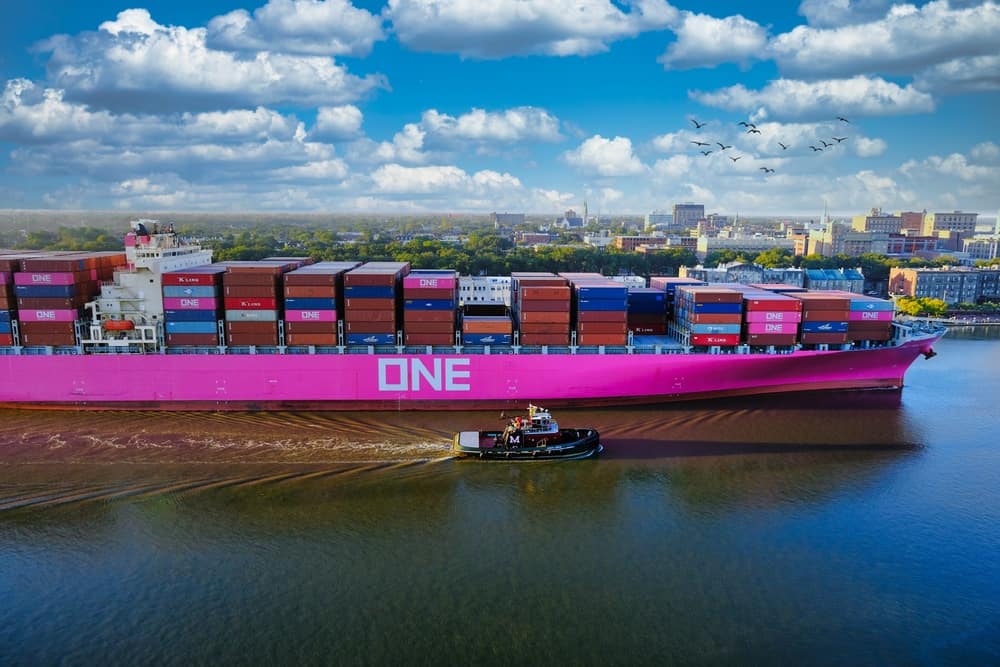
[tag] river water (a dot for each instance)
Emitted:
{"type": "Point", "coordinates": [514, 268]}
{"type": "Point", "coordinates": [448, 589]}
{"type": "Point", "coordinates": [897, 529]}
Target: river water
{"type": "Point", "coordinates": [821, 529]}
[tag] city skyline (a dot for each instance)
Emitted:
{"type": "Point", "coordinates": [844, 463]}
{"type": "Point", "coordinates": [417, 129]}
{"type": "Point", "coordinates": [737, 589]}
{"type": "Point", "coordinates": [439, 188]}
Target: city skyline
{"type": "Point", "coordinates": [411, 106]}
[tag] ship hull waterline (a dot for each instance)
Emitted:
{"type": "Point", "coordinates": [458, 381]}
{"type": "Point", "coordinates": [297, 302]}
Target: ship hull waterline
{"type": "Point", "coordinates": [394, 382]}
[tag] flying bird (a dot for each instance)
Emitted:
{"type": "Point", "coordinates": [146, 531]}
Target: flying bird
{"type": "Point", "coordinates": [722, 146]}
{"type": "Point", "coordinates": [816, 149]}
{"type": "Point", "coordinates": [841, 118]}
{"type": "Point", "coordinates": [783, 146]}
{"type": "Point", "coordinates": [705, 152]}
{"type": "Point", "coordinates": [753, 130]}
{"type": "Point", "coordinates": [734, 159]}
{"type": "Point", "coordinates": [839, 139]}
{"type": "Point", "coordinates": [746, 124]}
{"type": "Point", "coordinates": [700, 143]}
{"type": "Point", "coordinates": [766, 170]}
{"type": "Point", "coordinates": [825, 145]}
{"type": "Point", "coordinates": [697, 125]}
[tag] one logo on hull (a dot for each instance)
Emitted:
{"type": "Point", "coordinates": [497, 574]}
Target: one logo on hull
{"type": "Point", "coordinates": [420, 374]}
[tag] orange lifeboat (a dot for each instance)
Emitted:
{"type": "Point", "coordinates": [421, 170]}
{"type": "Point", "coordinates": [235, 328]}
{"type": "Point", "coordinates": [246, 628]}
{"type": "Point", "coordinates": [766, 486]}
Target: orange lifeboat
{"type": "Point", "coordinates": [119, 325]}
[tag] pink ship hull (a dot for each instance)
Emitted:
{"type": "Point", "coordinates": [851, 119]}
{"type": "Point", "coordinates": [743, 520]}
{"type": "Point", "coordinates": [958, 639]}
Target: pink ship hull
{"type": "Point", "coordinates": [434, 382]}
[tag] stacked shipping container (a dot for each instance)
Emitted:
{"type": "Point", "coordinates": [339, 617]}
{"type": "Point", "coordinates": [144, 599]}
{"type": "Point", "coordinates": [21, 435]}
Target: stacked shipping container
{"type": "Point", "coordinates": [192, 305]}
{"type": "Point", "coordinates": [647, 311]}
{"type": "Point", "coordinates": [313, 299]}
{"type": "Point", "coordinates": [253, 301]}
{"type": "Point", "coordinates": [825, 317]}
{"type": "Point", "coordinates": [770, 318]}
{"type": "Point", "coordinates": [430, 300]}
{"type": "Point", "coordinates": [371, 302]}
{"type": "Point", "coordinates": [541, 303]}
{"type": "Point", "coordinates": [669, 285]}
{"type": "Point", "coordinates": [710, 315]}
{"type": "Point", "coordinates": [600, 309]}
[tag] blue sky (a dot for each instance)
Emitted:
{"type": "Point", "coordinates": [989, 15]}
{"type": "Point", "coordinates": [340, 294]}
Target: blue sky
{"type": "Point", "coordinates": [512, 105]}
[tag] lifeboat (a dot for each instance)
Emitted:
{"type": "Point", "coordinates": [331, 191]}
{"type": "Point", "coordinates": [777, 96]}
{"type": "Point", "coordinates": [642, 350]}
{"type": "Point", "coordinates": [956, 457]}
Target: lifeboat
{"type": "Point", "coordinates": [118, 325]}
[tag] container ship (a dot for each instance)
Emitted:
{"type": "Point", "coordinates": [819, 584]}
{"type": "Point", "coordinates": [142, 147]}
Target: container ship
{"type": "Point", "coordinates": [160, 326]}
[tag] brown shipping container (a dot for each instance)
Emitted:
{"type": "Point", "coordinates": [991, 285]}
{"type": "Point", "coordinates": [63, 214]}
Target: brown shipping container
{"type": "Point", "coordinates": [51, 265]}
{"type": "Point", "coordinates": [251, 291]}
{"type": "Point", "coordinates": [370, 304]}
{"type": "Point", "coordinates": [543, 305]}
{"type": "Point", "coordinates": [192, 339]}
{"type": "Point", "coordinates": [61, 340]}
{"type": "Point", "coordinates": [442, 293]}
{"type": "Point", "coordinates": [48, 327]}
{"type": "Point", "coordinates": [310, 279]}
{"type": "Point", "coordinates": [814, 315]}
{"type": "Point", "coordinates": [26, 303]}
{"type": "Point", "coordinates": [607, 316]}
{"type": "Point", "coordinates": [370, 316]}
{"type": "Point", "coordinates": [544, 293]}
{"type": "Point", "coordinates": [428, 327]}
{"type": "Point", "coordinates": [883, 336]}
{"type": "Point", "coordinates": [252, 339]}
{"type": "Point", "coordinates": [429, 338]}
{"type": "Point", "coordinates": [639, 318]}
{"type": "Point", "coordinates": [714, 318]}
{"type": "Point", "coordinates": [602, 327]}
{"type": "Point", "coordinates": [273, 269]}
{"type": "Point", "coordinates": [310, 291]}
{"type": "Point", "coordinates": [251, 280]}
{"type": "Point", "coordinates": [250, 303]}
{"type": "Point", "coordinates": [370, 327]}
{"type": "Point", "coordinates": [709, 295]}
{"type": "Point", "coordinates": [428, 315]}
{"type": "Point", "coordinates": [544, 316]}
{"type": "Point", "coordinates": [484, 326]}
{"type": "Point", "coordinates": [649, 329]}
{"type": "Point", "coordinates": [252, 328]}
{"type": "Point", "coordinates": [544, 328]}
{"type": "Point", "coordinates": [771, 339]}
{"type": "Point", "coordinates": [820, 301]}
{"type": "Point", "coordinates": [544, 339]}
{"type": "Point", "coordinates": [310, 327]}
{"type": "Point", "coordinates": [764, 303]}
{"type": "Point", "coordinates": [601, 339]}
{"type": "Point", "coordinates": [311, 339]}
{"type": "Point", "coordinates": [824, 338]}
{"type": "Point", "coordinates": [6, 340]}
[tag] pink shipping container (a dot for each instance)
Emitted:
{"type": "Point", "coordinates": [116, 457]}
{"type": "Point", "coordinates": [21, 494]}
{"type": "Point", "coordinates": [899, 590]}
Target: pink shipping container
{"type": "Point", "coordinates": [870, 316]}
{"type": "Point", "coordinates": [190, 303]}
{"type": "Point", "coordinates": [60, 278]}
{"type": "Point", "coordinates": [434, 282]}
{"type": "Point", "coordinates": [773, 316]}
{"type": "Point", "coordinates": [311, 315]}
{"type": "Point", "coordinates": [772, 327]}
{"type": "Point", "coordinates": [48, 315]}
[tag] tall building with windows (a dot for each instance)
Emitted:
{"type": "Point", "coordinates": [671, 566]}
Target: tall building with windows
{"type": "Point", "coordinates": [686, 216]}
{"type": "Point", "coordinates": [877, 221]}
{"type": "Point", "coordinates": [913, 221]}
{"type": "Point", "coordinates": [956, 221]}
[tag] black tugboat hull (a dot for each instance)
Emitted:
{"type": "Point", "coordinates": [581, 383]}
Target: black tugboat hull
{"type": "Point", "coordinates": [574, 444]}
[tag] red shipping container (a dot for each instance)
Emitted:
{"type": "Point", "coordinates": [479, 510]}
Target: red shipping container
{"type": "Point", "coordinates": [544, 339]}
{"type": "Point", "coordinates": [251, 280]}
{"type": "Point", "coordinates": [635, 318]}
{"type": "Point", "coordinates": [241, 268]}
{"type": "Point", "coordinates": [66, 328]}
{"type": "Point", "coordinates": [824, 338]}
{"type": "Point", "coordinates": [780, 340]}
{"type": "Point", "coordinates": [810, 314]}
{"type": "Point", "coordinates": [361, 303]}
{"type": "Point", "coordinates": [25, 303]}
{"type": "Point", "coordinates": [602, 327]}
{"type": "Point", "coordinates": [821, 301]}
{"type": "Point", "coordinates": [192, 339]}
{"type": "Point", "coordinates": [428, 316]}
{"type": "Point", "coordinates": [251, 291]}
{"type": "Point", "coordinates": [6, 340]}
{"type": "Point", "coordinates": [714, 318]}
{"type": "Point", "coordinates": [55, 340]}
{"type": "Point", "coordinates": [250, 303]}
{"type": "Point", "coordinates": [240, 340]}
{"type": "Point", "coordinates": [357, 315]}
{"type": "Point", "coordinates": [548, 293]}
{"type": "Point", "coordinates": [609, 315]}
{"type": "Point", "coordinates": [709, 295]}
{"type": "Point", "coordinates": [544, 316]}
{"type": "Point", "coordinates": [429, 293]}
{"type": "Point", "coordinates": [497, 326]}
{"type": "Point", "coordinates": [328, 339]}
{"type": "Point", "coordinates": [252, 328]}
{"type": "Point", "coordinates": [601, 339]}
{"type": "Point", "coordinates": [531, 305]}
{"type": "Point", "coordinates": [543, 328]}
{"type": "Point", "coordinates": [788, 304]}
{"type": "Point", "coordinates": [429, 338]}
{"type": "Point", "coordinates": [311, 327]}
{"type": "Point", "coordinates": [10, 303]}
{"type": "Point", "coordinates": [310, 291]}
{"type": "Point", "coordinates": [428, 327]}
{"type": "Point", "coordinates": [715, 339]}
{"type": "Point", "coordinates": [370, 327]}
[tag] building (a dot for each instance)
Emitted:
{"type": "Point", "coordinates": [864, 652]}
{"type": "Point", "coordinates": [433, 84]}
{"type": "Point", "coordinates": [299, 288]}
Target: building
{"type": "Point", "coordinates": [877, 221]}
{"type": "Point", "coordinates": [600, 240]}
{"type": "Point", "coordinates": [743, 273]}
{"type": "Point", "coordinates": [847, 280]}
{"type": "Point", "coordinates": [532, 238]}
{"type": "Point", "coordinates": [630, 243]}
{"type": "Point", "coordinates": [981, 247]}
{"type": "Point", "coordinates": [913, 221]}
{"type": "Point", "coordinates": [570, 220]}
{"type": "Point", "coordinates": [506, 219]}
{"type": "Point", "coordinates": [950, 284]}
{"type": "Point", "coordinates": [956, 221]}
{"type": "Point", "coordinates": [658, 219]}
{"type": "Point", "coordinates": [746, 244]}
{"type": "Point", "coordinates": [686, 216]}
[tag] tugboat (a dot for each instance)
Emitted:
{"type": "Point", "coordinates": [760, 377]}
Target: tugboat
{"type": "Point", "coordinates": [537, 438]}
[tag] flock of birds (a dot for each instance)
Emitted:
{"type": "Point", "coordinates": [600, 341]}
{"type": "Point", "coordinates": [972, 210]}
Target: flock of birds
{"type": "Point", "coordinates": [751, 128]}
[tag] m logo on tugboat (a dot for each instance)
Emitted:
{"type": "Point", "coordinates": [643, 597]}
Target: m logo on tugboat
{"type": "Point", "coordinates": [413, 374]}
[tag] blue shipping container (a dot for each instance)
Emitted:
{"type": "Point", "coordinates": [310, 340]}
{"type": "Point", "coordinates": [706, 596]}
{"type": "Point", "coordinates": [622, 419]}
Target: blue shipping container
{"type": "Point", "coordinates": [371, 339]}
{"type": "Point", "coordinates": [824, 327]}
{"type": "Point", "coordinates": [602, 304]}
{"type": "Point", "coordinates": [486, 339]}
{"type": "Point", "coordinates": [718, 308]}
{"type": "Point", "coordinates": [5, 316]}
{"type": "Point", "coordinates": [370, 291]}
{"type": "Point", "coordinates": [602, 291]}
{"type": "Point", "coordinates": [45, 291]}
{"type": "Point", "coordinates": [429, 304]}
{"type": "Point", "coordinates": [310, 304]}
{"type": "Point", "coordinates": [191, 327]}
{"type": "Point", "coordinates": [179, 291]}
{"type": "Point", "coordinates": [715, 328]}
{"type": "Point", "coordinates": [191, 315]}
{"type": "Point", "coordinates": [5, 328]}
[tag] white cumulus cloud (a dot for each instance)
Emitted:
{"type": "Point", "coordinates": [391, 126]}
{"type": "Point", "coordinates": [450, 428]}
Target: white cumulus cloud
{"type": "Point", "coordinates": [399, 179]}
{"type": "Point", "coordinates": [706, 41]}
{"type": "Point", "coordinates": [865, 147]}
{"type": "Point", "coordinates": [508, 126]}
{"type": "Point", "coordinates": [341, 122]}
{"type": "Point", "coordinates": [315, 27]}
{"type": "Point", "coordinates": [519, 27]}
{"type": "Point", "coordinates": [605, 157]}
{"type": "Point", "coordinates": [962, 75]}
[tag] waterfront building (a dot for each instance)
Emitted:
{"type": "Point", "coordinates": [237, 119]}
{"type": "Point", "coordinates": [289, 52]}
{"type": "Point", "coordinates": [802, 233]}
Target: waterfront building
{"type": "Point", "coordinates": [950, 284]}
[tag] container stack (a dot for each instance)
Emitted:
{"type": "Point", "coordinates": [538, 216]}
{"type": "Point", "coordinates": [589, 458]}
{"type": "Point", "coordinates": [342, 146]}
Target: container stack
{"type": "Point", "coordinates": [480, 327]}
{"type": "Point", "coordinates": [669, 285]}
{"type": "Point", "coordinates": [870, 318]}
{"type": "Point", "coordinates": [600, 309]}
{"type": "Point", "coordinates": [541, 304]}
{"type": "Point", "coordinates": [371, 302]}
{"type": "Point", "coordinates": [770, 319]}
{"type": "Point", "coordinates": [712, 316]}
{"type": "Point", "coordinates": [430, 300]}
{"type": "Point", "coordinates": [8, 302]}
{"type": "Point", "coordinates": [825, 317]}
{"type": "Point", "coordinates": [313, 299]}
{"type": "Point", "coordinates": [192, 305]}
{"type": "Point", "coordinates": [51, 292]}
{"type": "Point", "coordinates": [253, 301]}
{"type": "Point", "coordinates": [647, 311]}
